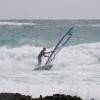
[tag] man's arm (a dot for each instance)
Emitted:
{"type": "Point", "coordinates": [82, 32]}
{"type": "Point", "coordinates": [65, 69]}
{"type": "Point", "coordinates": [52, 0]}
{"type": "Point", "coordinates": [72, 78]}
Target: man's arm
{"type": "Point", "coordinates": [49, 52]}
{"type": "Point", "coordinates": [46, 56]}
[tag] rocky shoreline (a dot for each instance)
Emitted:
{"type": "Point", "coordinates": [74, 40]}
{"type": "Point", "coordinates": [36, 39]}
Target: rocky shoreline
{"type": "Point", "coordinates": [17, 96]}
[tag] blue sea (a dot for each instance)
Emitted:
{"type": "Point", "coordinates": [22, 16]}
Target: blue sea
{"type": "Point", "coordinates": [76, 69]}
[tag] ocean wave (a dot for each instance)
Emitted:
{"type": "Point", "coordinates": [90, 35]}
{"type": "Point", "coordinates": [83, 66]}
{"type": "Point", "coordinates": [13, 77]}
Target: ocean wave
{"type": "Point", "coordinates": [76, 68]}
{"type": "Point", "coordinates": [79, 55]}
{"type": "Point", "coordinates": [95, 25]}
{"type": "Point", "coordinates": [88, 53]}
{"type": "Point", "coordinates": [17, 23]}
{"type": "Point", "coordinates": [87, 25]}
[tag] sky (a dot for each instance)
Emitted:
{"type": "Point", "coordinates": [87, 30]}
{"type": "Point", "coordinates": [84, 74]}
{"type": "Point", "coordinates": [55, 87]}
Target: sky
{"type": "Point", "coordinates": [49, 9]}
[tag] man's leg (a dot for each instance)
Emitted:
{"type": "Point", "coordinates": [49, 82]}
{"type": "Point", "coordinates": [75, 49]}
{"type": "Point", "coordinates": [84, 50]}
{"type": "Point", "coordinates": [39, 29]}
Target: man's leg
{"type": "Point", "coordinates": [39, 61]}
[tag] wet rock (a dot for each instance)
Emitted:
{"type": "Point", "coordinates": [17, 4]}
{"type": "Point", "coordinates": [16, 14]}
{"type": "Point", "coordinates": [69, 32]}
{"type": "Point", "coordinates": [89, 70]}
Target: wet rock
{"type": "Point", "coordinates": [62, 97]}
{"type": "Point", "coordinates": [17, 96]}
{"type": "Point", "coordinates": [11, 96]}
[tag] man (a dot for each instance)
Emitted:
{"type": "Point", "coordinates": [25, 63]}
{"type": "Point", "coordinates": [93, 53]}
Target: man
{"type": "Point", "coordinates": [41, 54]}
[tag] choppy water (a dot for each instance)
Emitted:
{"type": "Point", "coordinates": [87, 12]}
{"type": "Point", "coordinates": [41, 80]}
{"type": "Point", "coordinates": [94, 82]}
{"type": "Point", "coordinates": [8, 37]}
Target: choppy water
{"type": "Point", "coordinates": [76, 67]}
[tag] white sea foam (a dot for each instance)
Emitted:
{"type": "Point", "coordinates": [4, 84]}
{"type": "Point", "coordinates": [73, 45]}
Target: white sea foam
{"type": "Point", "coordinates": [95, 25]}
{"type": "Point", "coordinates": [75, 71]}
{"type": "Point", "coordinates": [91, 25]}
{"type": "Point", "coordinates": [16, 23]}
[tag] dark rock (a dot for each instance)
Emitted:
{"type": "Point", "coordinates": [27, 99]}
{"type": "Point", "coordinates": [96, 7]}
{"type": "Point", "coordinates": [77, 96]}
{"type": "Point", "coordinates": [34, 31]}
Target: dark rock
{"type": "Point", "coordinates": [62, 97]}
{"type": "Point", "coordinates": [11, 96]}
{"type": "Point", "coordinates": [17, 96]}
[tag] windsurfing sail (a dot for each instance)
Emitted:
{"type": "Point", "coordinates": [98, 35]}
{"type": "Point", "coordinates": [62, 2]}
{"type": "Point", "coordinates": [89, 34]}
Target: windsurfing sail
{"type": "Point", "coordinates": [59, 46]}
